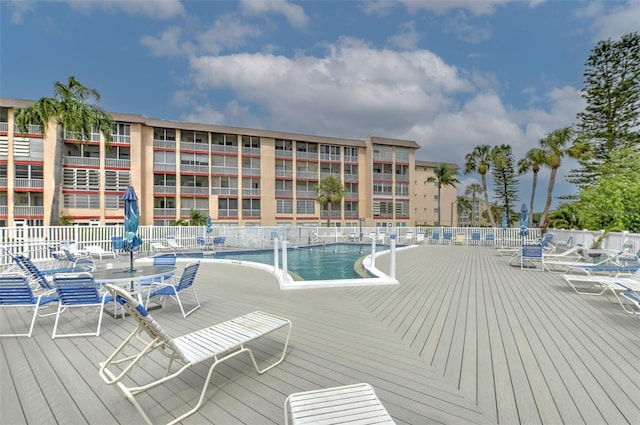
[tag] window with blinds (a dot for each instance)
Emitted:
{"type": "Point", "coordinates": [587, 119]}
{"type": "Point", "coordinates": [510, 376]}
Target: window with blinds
{"type": "Point", "coordinates": [116, 180]}
{"type": "Point", "coordinates": [81, 179]}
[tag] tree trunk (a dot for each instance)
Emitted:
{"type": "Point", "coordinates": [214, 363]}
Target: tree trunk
{"type": "Point", "coordinates": [486, 198]}
{"type": "Point", "coordinates": [328, 214]}
{"type": "Point", "coordinates": [533, 194]}
{"type": "Point", "coordinates": [544, 220]}
{"type": "Point", "coordinates": [439, 208]}
{"type": "Point", "coordinates": [54, 218]}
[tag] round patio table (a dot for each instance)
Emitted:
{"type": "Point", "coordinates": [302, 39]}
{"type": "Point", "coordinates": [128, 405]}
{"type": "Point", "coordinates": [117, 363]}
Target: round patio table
{"type": "Point", "coordinates": [125, 275]}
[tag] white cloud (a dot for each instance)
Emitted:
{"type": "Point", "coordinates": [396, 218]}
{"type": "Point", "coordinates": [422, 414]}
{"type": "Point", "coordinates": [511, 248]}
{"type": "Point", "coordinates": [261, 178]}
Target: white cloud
{"type": "Point", "coordinates": [157, 9]}
{"type": "Point", "coordinates": [476, 7]}
{"type": "Point", "coordinates": [168, 43]}
{"type": "Point", "coordinates": [621, 20]}
{"type": "Point", "coordinates": [351, 91]}
{"type": "Point", "coordinates": [466, 31]}
{"type": "Point", "coordinates": [227, 32]}
{"type": "Point", "coordinates": [292, 12]}
{"type": "Point", "coordinates": [20, 8]}
{"type": "Point", "coordinates": [407, 38]}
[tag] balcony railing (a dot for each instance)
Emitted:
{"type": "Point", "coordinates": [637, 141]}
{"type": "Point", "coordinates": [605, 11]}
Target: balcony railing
{"type": "Point", "coordinates": [80, 160]}
{"type": "Point", "coordinates": [31, 129]}
{"type": "Point", "coordinates": [164, 189]}
{"type": "Point", "coordinates": [246, 191]}
{"type": "Point", "coordinates": [284, 193]}
{"type": "Point", "coordinates": [251, 171]}
{"type": "Point", "coordinates": [350, 158]}
{"type": "Point", "coordinates": [121, 138]}
{"type": "Point", "coordinates": [164, 212]}
{"type": "Point", "coordinates": [3, 182]}
{"type": "Point", "coordinates": [351, 177]}
{"type": "Point", "coordinates": [383, 176]}
{"type": "Point", "coordinates": [383, 156]}
{"type": "Point", "coordinates": [329, 157]}
{"type": "Point", "coordinates": [350, 214]}
{"type": "Point", "coordinates": [250, 213]}
{"type": "Point", "coordinates": [281, 153]}
{"type": "Point", "coordinates": [72, 135]}
{"type": "Point", "coordinates": [324, 174]}
{"type": "Point", "coordinates": [284, 173]}
{"type": "Point", "coordinates": [351, 195]}
{"type": "Point", "coordinates": [4, 127]}
{"type": "Point", "coordinates": [334, 214]}
{"type": "Point", "coordinates": [307, 175]}
{"type": "Point", "coordinates": [224, 190]}
{"type": "Point", "coordinates": [402, 157]}
{"type": "Point", "coordinates": [117, 163]}
{"type": "Point", "coordinates": [224, 148]}
{"type": "Point", "coordinates": [194, 146]}
{"type": "Point", "coordinates": [250, 151]}
{"type": "Point", "coordinates": [166, 144]}
{"type": "Point", "coordinates": [3, 210]}
{"type": "Point", "coordinates": [228, 213]}
{"type": "Point", "coordinates": [195, 168]}
{"type": "Point", "coordinates": [217, 169]}
{"type": "Point", "coordinates": [29, 183]}
{"type": "Point", "coordinates": [194, 190]}
{"type": "Point", "coordinates": [23, 210]}
{"type": "Point", "coordinates": [164, 167]}
{"type": "Point", "coordinates": [306, 155]}
{"type": "Point", "coordinates": [306, 193]}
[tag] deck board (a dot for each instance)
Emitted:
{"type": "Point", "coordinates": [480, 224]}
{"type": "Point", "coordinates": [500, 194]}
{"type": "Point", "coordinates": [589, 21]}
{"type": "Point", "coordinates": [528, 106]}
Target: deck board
{"type": "Point", "coordinates": [464, 338]}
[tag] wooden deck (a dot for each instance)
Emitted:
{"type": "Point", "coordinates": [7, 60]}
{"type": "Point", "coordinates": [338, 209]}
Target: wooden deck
{"type": "Point", "coordinates": [464, 338]}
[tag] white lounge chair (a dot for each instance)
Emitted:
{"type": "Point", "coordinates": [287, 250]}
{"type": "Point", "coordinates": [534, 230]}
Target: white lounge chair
{"type": "Point", "coordinates": [420, 237]}
{"type": "Point", "coordinates": [624, 288]}
{"type": "Point", "coordinates": [159, 247]}
{"type": "Point", "coordinates": [173, 243]}
{"type": "Point", "coordinates": [98, 251]}
{"type": "Point", "coordinates": [213, 345]}
{"type": "Point", "coordinates": [408, 237]}
{"type": "Point", "coordinates": [356, 403]}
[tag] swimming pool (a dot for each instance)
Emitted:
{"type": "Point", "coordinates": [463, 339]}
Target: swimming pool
{"type": "Point", "coordinates": [318, 262]}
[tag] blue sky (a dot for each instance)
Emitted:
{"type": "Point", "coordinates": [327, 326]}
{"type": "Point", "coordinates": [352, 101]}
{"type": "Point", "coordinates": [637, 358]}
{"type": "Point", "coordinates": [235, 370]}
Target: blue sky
{"type": "Point", "coordinates": [448, 74]}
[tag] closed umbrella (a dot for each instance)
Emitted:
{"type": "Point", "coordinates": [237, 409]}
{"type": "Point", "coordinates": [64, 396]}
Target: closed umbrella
{"type": "Point", "coordinates": [131, 241]}
{"type": "Point", "coordinates": [209, 229]}
{"type": "Point", "coordinates": [504, 226]}
{"type": "Point", "coordinates": [524, 222]}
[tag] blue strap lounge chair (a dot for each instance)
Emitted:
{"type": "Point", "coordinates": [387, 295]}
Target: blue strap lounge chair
{"type": "Point", "coordinates": [38, 277]}
{"type": "Point", "coordinates": [211, 345]}
{"type": "Point", "coordinates": [79, 291]}
{"type": "Point", "coordinates": [186, 281]}
{"type": "Point", "coordinates": [475, 237]}
{"type": "Point", "coordinates": [435, 236]}
{"type": "Point", "coordinates": [447, 236]}
{"type": "Point", "coordinates": [15, 291]}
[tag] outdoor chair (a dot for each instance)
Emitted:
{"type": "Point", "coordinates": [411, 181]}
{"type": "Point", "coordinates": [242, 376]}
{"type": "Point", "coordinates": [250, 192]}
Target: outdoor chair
{"type": "Point", "coordinates": [173, 243]}
{"type": "Point", "coordinates": [530, 256]}
{"type": "Point", "coordinates": [131, 369]}
{"type": "Point", "coordinates": [475, 237]}
{"type": "Point", "coordinates": [203, 243]}
{"type": "Point", "coordinates": [218, 241]}
{"type": "Point", "coordinates": [381, 236]}
{"type": "Point", "coordinates": [447, 235]}
{"type": "Point", "coordinates": [408, 237]}
{"type": "Point", "coordinates": [593, 284]}
{"type": "Point", "coordinates": [565, 244]}
{"type": "Point", "coordinates": [79, 291]}
{"type": "Point", "coordinates": [460, 239]}
{"type": "Point", "coordinates": [159, 247]}
{"type": "Point", "coordinates": [38, 277]}
{"type": "Point", "coordinates": [357, 404]}
{"type": "Point", "coordinates": [489, 239]}
{"type": "Point", "coordinates": [15, 292]}
{"type": "Point", "coordinates": [185, 282]}
{"type": "Point", "coordinates": [117, 243]}
{"type": "Point", "coordinates": [98, 251]}
{"type": "Point", "coordinates": [435, 237]}
{"type": "Point", "coordinates": [420, 237]}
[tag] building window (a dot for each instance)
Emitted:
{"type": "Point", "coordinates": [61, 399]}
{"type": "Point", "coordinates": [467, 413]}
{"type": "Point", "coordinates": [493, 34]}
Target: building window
{"type": "Point", "coordinates": [306, 207]}
{"type": "Point", "coordinates": [284, 206]}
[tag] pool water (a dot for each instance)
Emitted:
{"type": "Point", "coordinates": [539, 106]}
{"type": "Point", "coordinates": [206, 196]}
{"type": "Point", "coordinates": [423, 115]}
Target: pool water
{"type": "Point", "coordinates": [319, 262]}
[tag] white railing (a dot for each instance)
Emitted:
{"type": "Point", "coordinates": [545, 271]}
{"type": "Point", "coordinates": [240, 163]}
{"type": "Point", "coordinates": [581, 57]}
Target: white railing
{"type": "Point", "coordinates": [30, 183]}
{"type": "Point", "coordinates": [117, 163]}
{"type": "Point", "coordinates": [4, 127]}
{"type": "Point", "coordinates": [166, 144]}
{"type": "Point", "coordinates": [193, 190]}
{"type": "Point", "coordinates": [224, 148]}
{"type": "Point", "coordinates": [164, 167]}
{"type": "Point", "coordinates": [80, 160]}
{"type": "Point", "coordinates": [224, 190]}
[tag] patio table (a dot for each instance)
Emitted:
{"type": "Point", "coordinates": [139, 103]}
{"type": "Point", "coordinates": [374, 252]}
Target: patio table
{"type": "Point", "coordinates": [139, 274]}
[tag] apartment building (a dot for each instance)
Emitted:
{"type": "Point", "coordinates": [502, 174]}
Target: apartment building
{"type": "Point", "coordinates": [238, 176]}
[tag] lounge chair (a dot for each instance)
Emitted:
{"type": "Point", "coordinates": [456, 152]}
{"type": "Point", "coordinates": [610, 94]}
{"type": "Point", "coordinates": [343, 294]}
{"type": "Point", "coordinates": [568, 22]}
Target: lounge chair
{"type": "Point", "coordinates": [592, 284]}
{"type": "Point", "coordinates": [420, 237]}
{"type": "Point", "coordinates": [186, 281]}
{"type": "Point", "coordinates": [98, 251]}
{"type": "Point", "coordinates": [408, 237]}
{"type": "Point", "coordinates": [173, 243]}
{"type": "Point", "coordinates": [204, 243]}
{"type": "Point", "coordinates": [38, 277]}
{"type": "Point", "coordinates": [460, 239]}
{"type": "Point", "coordinates": [565, 244]}
{"type": "Point", "coordinates": [475, 237]}
{"type": "Point", "coordinates": [435, 237]}
{"type": "Point", "coordinates": [82, 262]}
{"type": "Point", "coordinates": [79, 291]}
{"type": "Point", "coordinates": [159, 247]}
{"type": "Point", "coordinates": [447, 236]}
{"type": "Point", "coordinates": [212, 345]}
{"type": "Point", "coordinates": [381, 236]}
{"type": "Point", "coordinates": [489, 239]}
{"type": "Point", "coordinates": [357, 404]}
{"type": "Point", "coordinates": [555, 263]}
{"type": "Point", "coordinates": [15, 292]}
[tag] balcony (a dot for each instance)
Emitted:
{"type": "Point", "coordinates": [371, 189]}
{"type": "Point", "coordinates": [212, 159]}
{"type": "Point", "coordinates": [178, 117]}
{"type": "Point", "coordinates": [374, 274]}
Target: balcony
{"type": "Point", "coordinates": [165, 144]}
{"type": "Point", "coordinates": [224, 191]}
{"type": "Point", "coordinates": [164, 212]}
{"type": "Point", "coordinates": [164, 167]}
{"type": "Point", "coordinates": [164, 189]}
{"type": "Point", "coordinates": [383, 156]}
{"type": "Point", "coordinates": [284, 173]}
{"type": "Point", "coordinates": [224, 149]}
{"type": "Point", "coordinates": [324, 174]}
{"type": "Point", "coordinates": [3, 210]}
{"type": "Point", "coordinates": [383, 176]}
{"type": "Point", "coordinates": [218, 169]}
{"type": "Point", "coordinates": [194, 190]}
{"type": "Point", "coordinates": [72, 135]}
{"type": "Point", "coordinates": [251, 213]}
{"type": "Point", "coordinates": [307, 155]}
{"type": "Point", "coordinates": [281, 153]}
{"type": "Point", "coordinates": [334, 214]}
{"type": "Point", "coordinates": [3, 182]}
{"type": "Point", "coordinates": [351, 177]}
{"type": "Point", "coordinates": [351, 195]}
{"type": "Point", "coordinates": [117, 163]}
{"type": "Point", "coordinates": [31, 129]}
{"type": "Point", "coordinates": [81, 160]}
{"type": "Point", "coordinates": [351, 158]}
{"type": "Point", "coordinates": [284, 193]}
{"type": "Point", "coordinates": [350, 214]}
{"type": "Point", "coordinates": [246, 191]}
{"type": "Point", "coordinates": [121, 138]}
{"type": "Point", "coordinates": [402, 157]}
{"type": "Point", "coordinates": [251, 171]}
{"type": "Point", "coordinates": [19, 210]}
{"type": "Point", "coordinates": [4, 127]}
{"type": "Point", "coordinates": [306, 194]}
{"type": "Point", "coordinates": [192, 146]}
{"type": "Point", "coordinates": [28, 183]}
{"type": "Point", "coordinates": [329, 157]}
{"type": "Point", "coordinates": [307, 175]}
{"type": "Point", "coordinates": [228, 213]}
{"type": "Point", "coordinates": [194, 168]}
{"type": "Point", "coordinates": [250, 151]}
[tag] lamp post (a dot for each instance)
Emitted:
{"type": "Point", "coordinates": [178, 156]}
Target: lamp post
{"type": "Point", "coordinates": [451, 217]}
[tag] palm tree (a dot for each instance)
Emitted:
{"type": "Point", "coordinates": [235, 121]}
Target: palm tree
{"type": "Point", "coordinates": [556, 145]}
{"type": "Point", "coordinates": [330, 191]}
{"type": "Point", "coordinates": [70, 110]}
{"type": "Point", "coordinates": [472, 190]}
{"type": "Point", "coordinates": [532, 161]}
{"type": "Point", "coordinates": [479, 160]}
{"type": "Point", "coordinates": [445, 175]}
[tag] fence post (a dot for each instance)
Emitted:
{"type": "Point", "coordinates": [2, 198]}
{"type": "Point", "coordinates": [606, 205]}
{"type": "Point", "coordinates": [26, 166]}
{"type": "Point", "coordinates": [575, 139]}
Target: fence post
{"type": "Point", "coordinates": [275, 254]}
{"type": "Point", "coordinates": [285, 275]}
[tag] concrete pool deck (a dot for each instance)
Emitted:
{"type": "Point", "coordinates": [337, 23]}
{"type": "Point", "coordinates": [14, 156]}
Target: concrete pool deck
{"type": "Point", "coordinates": [463, 338]}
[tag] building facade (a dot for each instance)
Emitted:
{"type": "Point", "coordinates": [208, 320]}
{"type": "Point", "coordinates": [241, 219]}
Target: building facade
{"type": "Point", "coordinates": [237, 176]}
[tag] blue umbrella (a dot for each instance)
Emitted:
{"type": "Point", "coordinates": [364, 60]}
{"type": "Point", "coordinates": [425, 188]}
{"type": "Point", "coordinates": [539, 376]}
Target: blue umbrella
{"type": "Point", "coordinates": [131, 240]}
{"type": "Point", "coordinates": [524, 221]}
{"type": "Point", "coordinates": [504, 221]}
{"type": "Point", "coordinates": [209, 229]}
